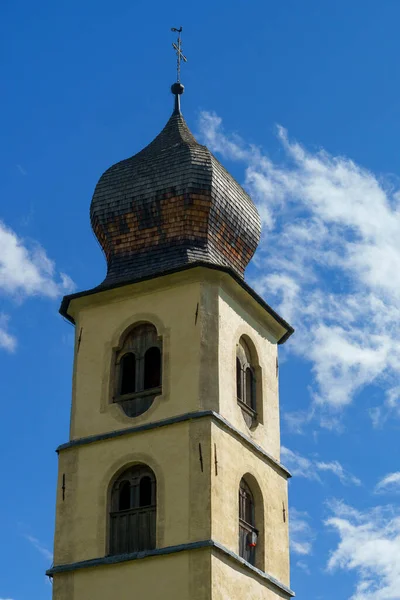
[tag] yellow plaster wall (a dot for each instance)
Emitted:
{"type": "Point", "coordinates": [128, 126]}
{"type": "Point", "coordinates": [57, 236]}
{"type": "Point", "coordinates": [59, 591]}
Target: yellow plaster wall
{"type": "Point", "coordinates": [199, 353]}
{"type": "Point", "coordinates": [100, 321]}
{"type": "Point", "coordinates": [183, 576]}
{"type": "Point", "coordinates": [183, 490]}
{"type": "Point", "coordinates": [234, 462]}
{"type": "Point", "coordinates": [237, 319]}
{"type": "Point", "coordinates": [192, 504]}
{"type": "Point", "coordinates": [194, 575]}
{"type": "Point", "coordinates": [230, 580]}
{"type": "Point", "coordinates": [199, 373]}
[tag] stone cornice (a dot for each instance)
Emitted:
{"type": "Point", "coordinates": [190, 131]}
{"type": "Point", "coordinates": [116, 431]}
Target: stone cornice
{"type": "Point", "coordinates": [217, 418]}
{"type": "Point", "coordinates": [215, 546]}
{"type": "Point", "coordinates": [287, 329]}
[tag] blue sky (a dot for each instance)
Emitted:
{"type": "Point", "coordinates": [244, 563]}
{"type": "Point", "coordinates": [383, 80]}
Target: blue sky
{"type": "Point", "coordinates": [300, 102]}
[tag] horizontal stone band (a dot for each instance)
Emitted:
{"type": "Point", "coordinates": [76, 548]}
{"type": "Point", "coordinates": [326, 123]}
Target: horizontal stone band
{"type": "Point", "coordinates": [180, 419]}
{"type": "Point", "coordinates": [218, 548]}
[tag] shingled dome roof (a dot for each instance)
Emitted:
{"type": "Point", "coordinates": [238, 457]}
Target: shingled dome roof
{"type": "Point", "coordinates": [169, 206]}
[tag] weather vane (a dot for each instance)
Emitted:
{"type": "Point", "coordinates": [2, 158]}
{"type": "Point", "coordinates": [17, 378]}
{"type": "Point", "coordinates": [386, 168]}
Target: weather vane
{"type": "Point", "coordinates": [179, 55]}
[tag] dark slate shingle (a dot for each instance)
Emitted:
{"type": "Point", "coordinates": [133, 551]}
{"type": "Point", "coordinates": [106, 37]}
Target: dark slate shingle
{"type": "Point", "coordinates": [170, 205]}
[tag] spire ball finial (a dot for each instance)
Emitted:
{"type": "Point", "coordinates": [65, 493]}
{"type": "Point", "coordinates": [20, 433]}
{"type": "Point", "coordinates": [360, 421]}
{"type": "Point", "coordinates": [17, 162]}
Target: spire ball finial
{"type": "Point", "coordinates": [177, 88]}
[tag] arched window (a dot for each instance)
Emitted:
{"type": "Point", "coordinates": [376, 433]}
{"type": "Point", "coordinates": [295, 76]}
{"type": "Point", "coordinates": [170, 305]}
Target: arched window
{"type": "Point", "coordinates": [133, 511]}
{"type": "Point", "coordinates": [138, 365]}
{"type": "Point", "coordinates": [246, 390]}
{"type": "Point", "coordinates": [248, 534]}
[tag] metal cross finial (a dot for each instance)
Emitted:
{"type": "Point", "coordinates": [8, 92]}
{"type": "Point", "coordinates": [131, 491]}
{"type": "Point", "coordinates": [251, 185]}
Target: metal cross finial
{"type": "Point", "coordinates": [179, 55]}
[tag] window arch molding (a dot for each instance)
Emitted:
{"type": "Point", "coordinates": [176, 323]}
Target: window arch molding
{"type": "Point", "coordinates": [258, 524]}
{"type": "Point", "coordinates": [249, 380]}
{"type": "Point", "coordinates": [137, 398]}
{"type": "Point", "coordinates": [128, 325]}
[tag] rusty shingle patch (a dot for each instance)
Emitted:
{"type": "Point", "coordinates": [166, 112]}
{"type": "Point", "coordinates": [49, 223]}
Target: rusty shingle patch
{"type": "Point", "coordinates": [170, 205]}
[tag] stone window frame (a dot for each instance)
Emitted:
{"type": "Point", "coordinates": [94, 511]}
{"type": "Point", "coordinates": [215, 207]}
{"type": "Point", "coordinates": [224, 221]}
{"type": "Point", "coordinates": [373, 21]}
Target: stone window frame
{"type": "Point", "coordinates": [247, 525]}
{"type": "Point", "coordinates": [256, 556]}
{"type": "Point", "coordinates": [133, 528]}
{"type": "Point", "coordinates": [249, 396]}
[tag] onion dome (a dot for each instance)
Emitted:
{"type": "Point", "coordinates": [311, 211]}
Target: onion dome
{"type": "Point", "coordinates": [170, 206]}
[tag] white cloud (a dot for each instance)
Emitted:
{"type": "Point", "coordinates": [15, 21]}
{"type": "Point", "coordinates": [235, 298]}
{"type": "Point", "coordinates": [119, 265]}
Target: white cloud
{"type": "Point", "coordinates": [25, 270]}
{"type": "Point", "coordinates": [336, 468]}
{"type": "Point", "coordinates": [40, 547]}
{"type": "Point", "coordinates": [300, 466]}
{"type": "Point", "coordinates": [389, 483]}
{"type": "Point", "coordinates": [301, 533]}
{"type": "Point", "coordinates": [301, 564]}
{"type": "Point", "coordinates": [328, 260]}
{"type": "Point", "coordinates": [369, 546]}
{"type": "Point", "coordinates": [7, 341]}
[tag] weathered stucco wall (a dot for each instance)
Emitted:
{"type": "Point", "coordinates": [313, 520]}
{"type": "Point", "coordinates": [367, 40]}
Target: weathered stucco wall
{"type": "Point", "coordinates": [100, 322]}
{"type": "Point", "coordinates": [236, 320]}
{"type": "Point", "coordinates": [269, 489]}
{"type": "Point", "coordinates": [198, 463]}
{"type": "Point", "coordinates": [200, 316]}
{"type": "Point", "coordinates": [231, 581]}
{"type": "Point", "coordinates": [183, 490]}
{"type": "Point", "coordinates": [169, 577]}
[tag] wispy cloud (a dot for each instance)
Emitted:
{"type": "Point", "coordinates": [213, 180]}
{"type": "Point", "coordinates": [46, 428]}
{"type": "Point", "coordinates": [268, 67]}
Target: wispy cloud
{"type": "Point", "coordinates": [301, 533]}
{"type": "Point", "coordinates": [311, 468]}
{"type": "Point", "coordinates": [389, 483]}
{"type": "Point", "coordinates": [299, 465]}
{"type": "Point", "coordinates": [369, 546]}
{"type": "Point", "coordinates": [328, 259]}
{"type": "Point", "coordinates": [301, 564]}
{"type": "Point", "coordinates": [27, 218]}
{"type": "Point", "coordinates": [22, 170]}
{"type": "Point", "coordinates": [39, 547]}
{"type": "Point", "coordinates": [7, 341]}
{"type": "Point", "coordinates": [336, 468]}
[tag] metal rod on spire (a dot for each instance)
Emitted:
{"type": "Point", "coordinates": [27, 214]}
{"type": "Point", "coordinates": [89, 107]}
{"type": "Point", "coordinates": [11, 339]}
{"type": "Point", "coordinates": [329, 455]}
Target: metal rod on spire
{"type": "Point", "coordinates": [179, 54]}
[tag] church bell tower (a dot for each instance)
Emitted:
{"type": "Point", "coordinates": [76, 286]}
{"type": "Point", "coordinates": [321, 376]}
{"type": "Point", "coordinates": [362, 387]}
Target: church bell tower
{"type": "Point", "coordinates": [170, 486]}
